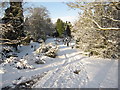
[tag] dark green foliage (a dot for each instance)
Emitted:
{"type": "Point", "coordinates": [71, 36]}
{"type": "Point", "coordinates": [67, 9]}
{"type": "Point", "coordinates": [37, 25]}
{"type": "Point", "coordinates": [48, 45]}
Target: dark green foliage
{"type": "Point", "coordinates": [68, 24]}
{"type": "Point", "coordinates": [14, 17]}
{"type": "Point", "coordinates": [68, 31]}
{"type": "Point", "coordinates": [60, 27]}
{"type": "Point", "coordinates": [63, 28]}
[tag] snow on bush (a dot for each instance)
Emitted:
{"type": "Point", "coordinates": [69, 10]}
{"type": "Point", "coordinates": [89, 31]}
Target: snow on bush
{"type": "Point", "coordinates": [7, 48]}
{"type": "Point", "coordinates": [40, 40]}
{"type": "Point", "coordinates": [51, 53]}
{"type": "Point", "coordinates": [49, 50]}
{"type": "Point", "coordinates": [6, 51]}
{"type": "Point", "coordinates": [22, 64]}
{"type": "Point", "coordinates": [2, 71]}
{"type": "Point", "coordinates": [42, 49]}
{"type": "Point", "coordinates": [40, 60]}
{"type": "Point", "coordinates": [17, 63]}
{"type": "Point", "coordinates": [10, 60]}
{"type": "Point", "coordinates": [36, 58]}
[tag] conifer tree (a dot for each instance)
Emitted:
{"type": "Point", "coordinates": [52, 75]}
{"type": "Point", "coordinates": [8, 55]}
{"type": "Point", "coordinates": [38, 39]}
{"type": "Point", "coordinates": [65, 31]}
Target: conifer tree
{"type": "Point", "coordinates": [14, 17]}
{"type": "Point", "coordinates": [60, 27]}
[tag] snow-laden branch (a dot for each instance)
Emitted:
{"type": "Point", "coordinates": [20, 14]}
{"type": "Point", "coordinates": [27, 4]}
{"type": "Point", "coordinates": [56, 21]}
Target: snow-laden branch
{"type": "Point", "coordinates": [8, 41]}
{"type": "Point", "coordinates": [111, 18]}
{"type": "Point", "coordinates": [113, 28]}
{"type": "Point", "coordinates": [5, 39]}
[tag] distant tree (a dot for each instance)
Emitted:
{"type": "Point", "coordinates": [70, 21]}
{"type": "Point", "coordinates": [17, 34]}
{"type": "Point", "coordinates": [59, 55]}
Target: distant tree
{"type": "Point", "coordinates": [60, 27]}
{"type": "Point", "coordinates": [39, 23]}
{"type": "Point", "coordinates": [68, 27]}
{"type": "Point", "coordinates": [55, 33]}
{"type": "Point", "coordinates": [68, 31]}
{"type": "Point", "coordinates": [68, 23]}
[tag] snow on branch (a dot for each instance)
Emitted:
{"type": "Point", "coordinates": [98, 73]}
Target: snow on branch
{"type": "Point", "coordinates": [8, 41]}
{"type": "Point", "coordinates": [5, 39]}
{"type": "Point", "coordinates": [113, 28]}
{"type": "Point", "coordinates": [111, 18]}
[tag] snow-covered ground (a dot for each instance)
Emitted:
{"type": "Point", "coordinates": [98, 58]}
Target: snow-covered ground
{"type": "Point", "coordinates": [70, 69]}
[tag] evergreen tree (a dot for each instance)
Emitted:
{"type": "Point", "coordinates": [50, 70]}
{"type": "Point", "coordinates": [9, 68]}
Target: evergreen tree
{"type": "Point", "coordinates": [60, 27]}
{"type": "Point", "coordinates": [68, 31]}
{"type": "Point", "coordinates": [14, 17]}
{"type": "Point", "coordinates": [69, 24]}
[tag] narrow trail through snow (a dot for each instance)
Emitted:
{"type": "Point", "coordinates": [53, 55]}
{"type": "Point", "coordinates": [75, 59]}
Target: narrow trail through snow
{"type": "Point", "coordinates": [94, 72]}
{"type": "Point", "coordinates": [64, 75]}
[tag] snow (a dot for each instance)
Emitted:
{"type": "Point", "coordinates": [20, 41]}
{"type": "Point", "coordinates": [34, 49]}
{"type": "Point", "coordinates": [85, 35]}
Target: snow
{"type": "Point", "coordinates": [70, 69]}
{"type": "Point", "coordinates": [103, 73]}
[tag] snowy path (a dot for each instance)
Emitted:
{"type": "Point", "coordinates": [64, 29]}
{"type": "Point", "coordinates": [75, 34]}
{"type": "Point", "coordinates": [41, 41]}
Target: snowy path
{"type": "Point", "coordinates": [60, 71]}
{"type": "Point", "coordinates": [94, 73]}
{"type": "Point", "coordinates": [64, 75]}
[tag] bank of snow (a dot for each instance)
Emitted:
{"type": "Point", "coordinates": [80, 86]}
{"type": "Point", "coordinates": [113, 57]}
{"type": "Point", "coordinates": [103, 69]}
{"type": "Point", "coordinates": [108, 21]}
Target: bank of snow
{"type": "Point", "coordinates": [102, 73]}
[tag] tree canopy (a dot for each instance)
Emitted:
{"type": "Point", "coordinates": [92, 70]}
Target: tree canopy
{"type": "Point", "coordinates": [98, 28]}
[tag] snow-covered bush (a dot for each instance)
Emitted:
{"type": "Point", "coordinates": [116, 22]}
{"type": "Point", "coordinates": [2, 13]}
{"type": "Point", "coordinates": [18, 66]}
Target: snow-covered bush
{"type": "Point", "coordinates": [17, 63]}
{"type": "Point", "coordinates": [49, 50]}
{"type": "Point", "coordinates": [6, 51]}
{"type": "Point", "coordinates": [52, 52]}
{"type": "Point", "coordinates": [40, 40]}
{"type": "Point", "coordinates": [22, 64]}
{"type": "Point", "coordinates": [40, 60]}
{"type": "Point", "coordinates": [10, 60]}
{"type": "Point", "coordinates": [42, 49]}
